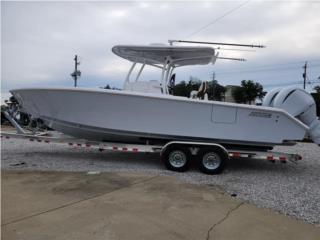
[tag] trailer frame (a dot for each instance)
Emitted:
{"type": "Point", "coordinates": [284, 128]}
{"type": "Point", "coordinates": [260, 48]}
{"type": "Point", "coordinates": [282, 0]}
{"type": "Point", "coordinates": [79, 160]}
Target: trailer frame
{"type": "Point", "coordinates": [48, 137]}
{"type": "Point", "coordinates": [176, 155]}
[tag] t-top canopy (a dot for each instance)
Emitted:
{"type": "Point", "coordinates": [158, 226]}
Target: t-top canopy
{"type": "Point", "coordinates": [179, 55]}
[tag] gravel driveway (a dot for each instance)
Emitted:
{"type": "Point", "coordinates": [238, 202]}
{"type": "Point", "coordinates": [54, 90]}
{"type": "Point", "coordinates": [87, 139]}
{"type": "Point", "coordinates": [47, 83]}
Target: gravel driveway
{"type": "Point", "coordinates": [292, 189]}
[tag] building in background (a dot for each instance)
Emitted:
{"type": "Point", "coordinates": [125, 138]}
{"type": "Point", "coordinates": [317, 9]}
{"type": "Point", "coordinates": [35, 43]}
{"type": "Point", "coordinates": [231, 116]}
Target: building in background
{"type": "Point", "coordinates": [228, 97]}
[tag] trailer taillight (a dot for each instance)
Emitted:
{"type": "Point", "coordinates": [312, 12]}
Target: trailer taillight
{"type": "Point", "coordinates": [270, 158]}
{"type": "Point", "coordinates": [236, 154]}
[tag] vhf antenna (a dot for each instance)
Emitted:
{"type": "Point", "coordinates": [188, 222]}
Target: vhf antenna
{"type": "Point", "coordinates": [217, 43]}
{"type": "Point", "coordinates": [235, 59]}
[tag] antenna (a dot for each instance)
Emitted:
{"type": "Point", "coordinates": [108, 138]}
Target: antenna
{"type": "Point", "coordinates": [235, 59]}
{"type": "Point", "coordinates": [217, 43]}
{"type": "Point", "coordinates": [235, 49]}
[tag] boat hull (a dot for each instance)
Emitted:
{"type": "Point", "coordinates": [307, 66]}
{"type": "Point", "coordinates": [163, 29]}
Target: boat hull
{"type": "Point", "coordinates": [108, 115]}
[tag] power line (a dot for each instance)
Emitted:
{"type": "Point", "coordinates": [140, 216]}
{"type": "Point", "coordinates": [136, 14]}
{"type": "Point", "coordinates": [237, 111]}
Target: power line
{"type": "Point", "coordinates": [282, 84]}
{"type": "Point", "coordinates": [277, 64]}
{"type": "Point", "coordinates": [312, 82]}
{"type": "Point", "coordinates": [265, 70]}
{"type": "Point", "coordinates": [217, 19]}
{"type": "Point", "coordinates": [236, 70]}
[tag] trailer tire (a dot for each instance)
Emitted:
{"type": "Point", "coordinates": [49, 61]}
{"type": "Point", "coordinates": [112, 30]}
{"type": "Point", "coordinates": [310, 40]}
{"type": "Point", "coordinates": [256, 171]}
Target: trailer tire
{"type": "Point", "coordinates": [176, 158]}
{"type": "Point", "coordinates": [212, 160]}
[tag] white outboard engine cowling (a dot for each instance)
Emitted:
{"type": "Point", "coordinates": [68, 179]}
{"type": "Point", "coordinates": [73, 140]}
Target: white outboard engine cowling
{"type": "Point", "coordinates": [298, 103]}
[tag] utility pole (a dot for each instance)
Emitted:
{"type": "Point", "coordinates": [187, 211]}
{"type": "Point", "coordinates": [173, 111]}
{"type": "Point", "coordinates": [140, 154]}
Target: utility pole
{"type": "Point", "coordinates": [76, 72]}
{"type": "Point", "coordinates": [304, 75]}
{"type": "Point", "coordinates": [213, 85]}
{"type": "Point", "coordinates": [213, 76]}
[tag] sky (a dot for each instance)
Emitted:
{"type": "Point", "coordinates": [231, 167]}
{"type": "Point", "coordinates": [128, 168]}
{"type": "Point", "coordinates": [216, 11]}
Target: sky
{"type": "Point", "coordinates": [39, 40]}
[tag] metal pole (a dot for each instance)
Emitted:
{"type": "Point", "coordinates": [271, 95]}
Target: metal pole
{"type": "Point", "coordinates": [75, 67]}
{"type": "Point", "coordinates": [304, 75]}
{"type": "Point", "coordinates": [213, 85]}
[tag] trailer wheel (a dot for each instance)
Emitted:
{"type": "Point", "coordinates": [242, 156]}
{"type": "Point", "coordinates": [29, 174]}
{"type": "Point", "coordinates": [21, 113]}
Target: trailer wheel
{"type": "Point", "coordinates": [212, 161]}
{"type": "Point", "coordinates": [176, 158]}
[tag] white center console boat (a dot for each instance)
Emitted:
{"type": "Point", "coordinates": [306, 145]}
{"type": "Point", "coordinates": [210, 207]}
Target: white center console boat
{"type": "Point", "coordinates": [145, 111]}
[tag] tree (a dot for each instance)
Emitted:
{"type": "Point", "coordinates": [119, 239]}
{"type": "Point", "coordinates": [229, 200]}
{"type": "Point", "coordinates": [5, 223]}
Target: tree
{"type": "Point", "coordinates": [193, 84]}
{"type": "Point", "coordinates": [238, 94]}
{"type": "Point", "coordinates": [317, 88]}
{"type": "Point", "coordinates": [248, 92]}
{"type": "Point", "coordinates": [184, 89]}
{"type": "Point", "coordinates": [181, 89]}
{"type": "Point", "coordinates": [13, 107]}
{"type": "Point", "coordinates": [215, 90]}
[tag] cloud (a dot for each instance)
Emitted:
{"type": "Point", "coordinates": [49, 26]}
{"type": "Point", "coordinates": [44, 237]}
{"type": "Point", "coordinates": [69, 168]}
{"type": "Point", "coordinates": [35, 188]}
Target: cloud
{"type": "Point", "coordinates": [40, 39]}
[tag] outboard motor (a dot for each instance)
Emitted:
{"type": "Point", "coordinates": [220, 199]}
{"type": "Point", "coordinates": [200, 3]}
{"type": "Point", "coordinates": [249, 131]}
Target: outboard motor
{"type": "Point", "coordinates": [298, 103]}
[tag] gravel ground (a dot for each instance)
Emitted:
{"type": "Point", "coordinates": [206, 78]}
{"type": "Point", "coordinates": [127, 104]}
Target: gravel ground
{"type": "Point", "coordinates": [292, 189]}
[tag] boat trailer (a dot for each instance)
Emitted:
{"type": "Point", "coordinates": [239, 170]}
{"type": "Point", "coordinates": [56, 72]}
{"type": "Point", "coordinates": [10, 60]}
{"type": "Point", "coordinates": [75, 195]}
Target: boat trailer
{"type": "Point", "coordinates": [177, 155]}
